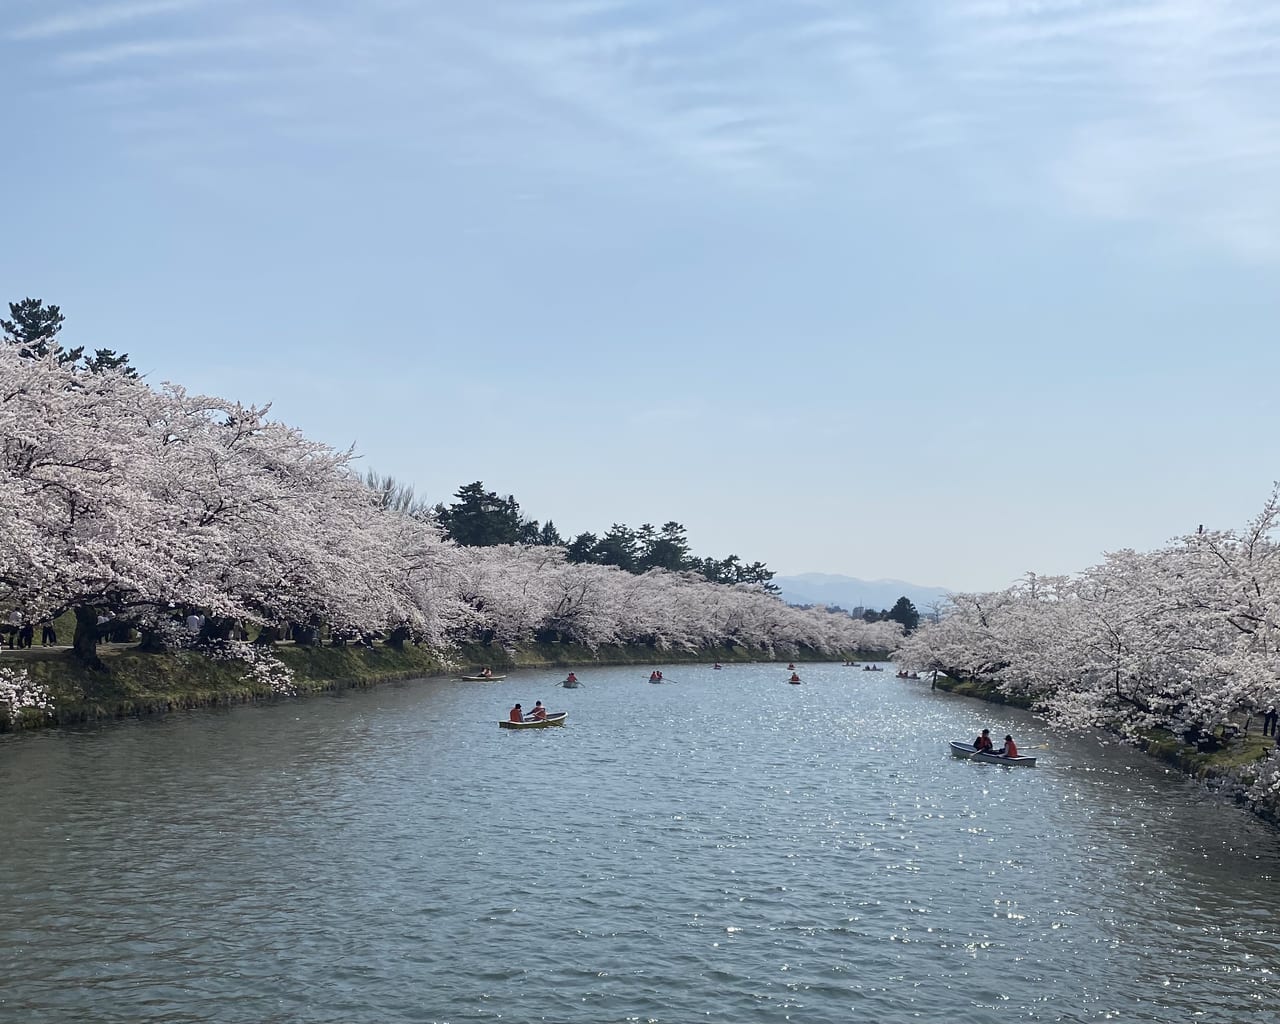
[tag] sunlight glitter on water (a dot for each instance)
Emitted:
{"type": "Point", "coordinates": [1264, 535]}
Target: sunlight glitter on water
{"type": "Point", "coordinates": [723, 848]}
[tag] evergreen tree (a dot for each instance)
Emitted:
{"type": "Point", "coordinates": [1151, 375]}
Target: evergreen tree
{"type": "Point", "coordinates": [35, 327]}
{"type": "Point", "coordinates": [620, 547]}
{"type": "Point", "coordinates": [480, 518]}
{"type": "Point", "coordinates": [666, 550]}
{"type": "Point", "coordinates": [904, 612]}
{"type": "Point", "coordinates": [104, 359]}
{"type": "Point", "coordinates": [582, 548]}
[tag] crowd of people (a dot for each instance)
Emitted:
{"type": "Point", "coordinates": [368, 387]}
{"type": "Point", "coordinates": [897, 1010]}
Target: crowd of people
{"type": "Point", "coordinates": [20, 633]}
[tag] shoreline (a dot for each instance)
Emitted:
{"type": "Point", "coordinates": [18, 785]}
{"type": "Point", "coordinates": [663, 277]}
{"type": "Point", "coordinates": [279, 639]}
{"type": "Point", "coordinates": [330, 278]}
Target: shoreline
{"type": "Point", "coordinates": [1225, 772]}
{"type": "Point", "coordinates": [138, 683]}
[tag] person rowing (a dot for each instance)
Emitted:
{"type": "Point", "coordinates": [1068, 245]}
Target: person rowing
{"type": "Point", "coordinates": [983, 742]}
{"type": "Point", "coordinates": [539, 712]}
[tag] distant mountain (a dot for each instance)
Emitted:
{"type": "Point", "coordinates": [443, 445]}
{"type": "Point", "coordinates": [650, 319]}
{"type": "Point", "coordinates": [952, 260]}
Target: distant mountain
{"type": "Point", "coordinates": [849, 592]}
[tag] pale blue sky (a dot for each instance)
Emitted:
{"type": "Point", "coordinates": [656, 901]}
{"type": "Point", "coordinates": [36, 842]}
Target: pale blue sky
{"type": "Point", "coordinates": [941, 291]}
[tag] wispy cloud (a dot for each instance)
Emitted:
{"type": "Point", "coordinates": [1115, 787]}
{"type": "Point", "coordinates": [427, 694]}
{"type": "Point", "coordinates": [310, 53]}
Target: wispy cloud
{"type": "Point", "coordinates": [1184, 138]}
{"type": "Point", "coordinates": [94, 18]}
{"type": "Point", "coordinates": [1158, 111]}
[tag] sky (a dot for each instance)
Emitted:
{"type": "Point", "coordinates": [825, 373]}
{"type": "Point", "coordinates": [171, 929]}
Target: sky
{"type": "Point", "coordinates": [939, 291]}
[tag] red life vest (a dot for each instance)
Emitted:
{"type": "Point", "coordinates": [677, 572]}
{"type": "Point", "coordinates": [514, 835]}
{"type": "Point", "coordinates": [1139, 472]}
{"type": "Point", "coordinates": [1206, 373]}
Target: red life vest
{"type": "Point", "coordinates": [517, 715]}
{"type": "Point", "coordinates": [1010, 749]}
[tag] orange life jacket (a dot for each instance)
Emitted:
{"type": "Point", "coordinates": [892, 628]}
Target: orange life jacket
{"type": "Point", "coordinates": [983, 743]}
{"type": "Point", "coordinates": [1010, 749]}
{"type": "Point", "coordinates": [517, 715]}
{"type": "Point", "coordinates": [539, 714]}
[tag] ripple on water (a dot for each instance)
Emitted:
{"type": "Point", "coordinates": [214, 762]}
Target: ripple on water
{"type": "Point", "coordinates": [724, 848]}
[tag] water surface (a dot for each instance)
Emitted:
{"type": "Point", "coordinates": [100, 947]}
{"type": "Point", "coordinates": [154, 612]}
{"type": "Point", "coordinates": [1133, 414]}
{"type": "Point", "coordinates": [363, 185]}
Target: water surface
{"type": "Point", "coordinates": [721, 847]}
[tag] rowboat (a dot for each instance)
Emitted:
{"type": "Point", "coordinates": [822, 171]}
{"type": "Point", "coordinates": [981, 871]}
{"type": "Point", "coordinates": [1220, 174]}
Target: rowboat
{"type": "Point", "coordinates": [555, 718]}
{"type": "Point", "coordinates": [568, 685]}
{"type": "Point", "coordinates": [968, 750]}
{"type": "Point", "coordinates": [482, 679]}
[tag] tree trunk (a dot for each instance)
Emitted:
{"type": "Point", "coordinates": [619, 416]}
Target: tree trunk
{"type": "Point", "coordinates": [397, 638]}
{"type": "Point", "coordinates": [150, 641]}
{"type": "Point", "coordinates": [217, 627]}
{"type": "Point", "coordinates": [85, 643]}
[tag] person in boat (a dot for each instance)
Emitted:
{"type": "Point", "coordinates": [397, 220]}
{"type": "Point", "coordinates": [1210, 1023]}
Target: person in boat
{"type": "Point", "coordinates": [795, 678]}
{"type": "Point", "coordinates": [792, 666]}
{"type": "Point", "coordinates": [653, 676]}
{"type": "Point", "coordinates": [1010, 749]}
{"type": "Point", "coordinates": [983, 742]}
{"type": "Point", "coordinates": [571, 679]}
{"type": "Point", "coordinates": [539, 712]}
{"type": "Point", "coordinates": [659, 675]}
{"type": "Point", "coordinates": [716, 665]}
{"type": "Point", "coordinates": [487, 672]}
{"type": "Point", "coordinates": [517, 715]}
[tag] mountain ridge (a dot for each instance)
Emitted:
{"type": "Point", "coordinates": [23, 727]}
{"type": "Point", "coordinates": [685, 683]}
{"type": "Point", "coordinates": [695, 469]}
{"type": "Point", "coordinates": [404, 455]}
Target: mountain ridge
{"type": "Point", "coordinates": [851, 592]}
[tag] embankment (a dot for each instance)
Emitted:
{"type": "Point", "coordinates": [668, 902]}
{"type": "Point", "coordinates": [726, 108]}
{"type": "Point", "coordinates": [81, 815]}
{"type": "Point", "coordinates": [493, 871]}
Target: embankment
{"type": "Point", "coordinates": [136, 682]}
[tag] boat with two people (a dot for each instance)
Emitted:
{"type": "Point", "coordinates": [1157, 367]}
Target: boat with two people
{"type": "Point", "coordinates": [538, 718]}
{"type": "Point", "coordinates": [655, 676]}
{"type": "Point", "coordinates": [972, 753]}
{"type": "Point", "coordinates": [794, 680]}
{"type": "Point", "coordinates": [553, 718]}
{"type": "Point", "coordinates": [570, 682]}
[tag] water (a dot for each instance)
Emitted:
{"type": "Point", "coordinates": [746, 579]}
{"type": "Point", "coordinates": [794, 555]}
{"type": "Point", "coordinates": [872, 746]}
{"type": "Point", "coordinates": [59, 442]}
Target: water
{"type": "Point", "coordinates": [724, 847]}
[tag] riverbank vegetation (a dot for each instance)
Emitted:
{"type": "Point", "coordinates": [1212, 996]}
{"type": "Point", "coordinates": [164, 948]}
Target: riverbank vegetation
{"type": "Point", "coordinates": [481, 518]}
{"type": "Point", "coordinates": [65, 691]}
{"type": "Point", "coordinates": [197, 524]}
{"type": "Point", "coordinates": [1177, 650]}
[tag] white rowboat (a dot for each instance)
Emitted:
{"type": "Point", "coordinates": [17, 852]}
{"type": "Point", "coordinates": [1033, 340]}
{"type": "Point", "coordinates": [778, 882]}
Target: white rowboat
{"type": "Point", "coordinates": [968, 750]}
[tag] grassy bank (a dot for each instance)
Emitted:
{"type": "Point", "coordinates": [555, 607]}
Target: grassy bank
{"type": "Point", "coordinates": [980, 691]}
{"type": "Point", "coordinates": [137, 682]}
